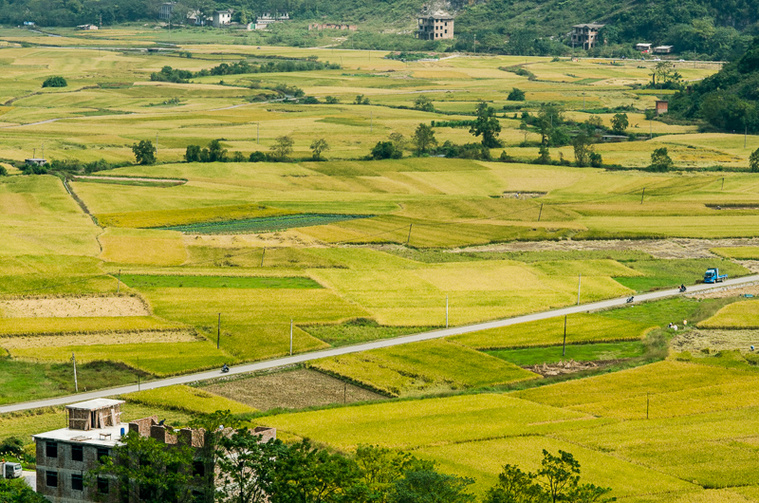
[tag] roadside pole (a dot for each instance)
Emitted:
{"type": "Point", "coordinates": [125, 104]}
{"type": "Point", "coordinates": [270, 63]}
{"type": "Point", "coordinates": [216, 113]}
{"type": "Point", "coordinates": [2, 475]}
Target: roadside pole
{"type": "Point", "coordinates": [76, 384]}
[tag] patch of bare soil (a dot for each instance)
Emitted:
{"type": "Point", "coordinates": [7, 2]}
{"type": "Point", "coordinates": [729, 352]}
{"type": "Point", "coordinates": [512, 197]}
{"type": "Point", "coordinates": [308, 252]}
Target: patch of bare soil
{"type": "Point", "coordinates": [715, 340]}
{"type": "Point", "coordinates": [65, 307]}
{"type": "Point", "coordinates": [294, 389]}
{"type": "Point", "coordinates": [288, 238]}
{"type": "Point", "coordinates": [674, 248]}
{"type": "Point", "coordinates": [724, 293]}
{"type": "Point", "coordinates": [567, 367]}
{"type": "Point", "coordinates": [522, 195]}
{"type": "Point", "coordinates": [40, 341]}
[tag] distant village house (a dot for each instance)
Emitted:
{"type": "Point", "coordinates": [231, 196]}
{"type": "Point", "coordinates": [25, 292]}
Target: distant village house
{"type": "Point", "coordinates": [585, 35]}
{"type": "Point", "coordinates": [435, 26]}
{"type": "Point", "coordinates": [263, 22]}
{"type": "Point", "coordinates": [222, 18]}
{"type": "Point", "coordinates": [87, 27]}
{"type": "Point", "coordinates": [663, 49]}
{"type": "Point", "coordinates": [166, 10]}
{"type": "Point", "coordinates": [662, 107]}
{"type": "Point", "coordinates": [643, 47]}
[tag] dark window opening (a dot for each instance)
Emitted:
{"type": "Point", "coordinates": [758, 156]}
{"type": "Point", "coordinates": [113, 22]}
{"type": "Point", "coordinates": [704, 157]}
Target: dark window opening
{"type": "Point", "coordinates": [102, 453]}
{"type": "Point", "coordinates": [51, 479]}
{"type": "Point", "coordinates": [198, 468]}
{"type": "Point", "coordinates": [77, 482]}
{"type": "Point", "coordinates": [103, 485]}
{"type": "Point", "coordinates": [51, 449]}
{"type": "Point", "coordinates": [77, 453]}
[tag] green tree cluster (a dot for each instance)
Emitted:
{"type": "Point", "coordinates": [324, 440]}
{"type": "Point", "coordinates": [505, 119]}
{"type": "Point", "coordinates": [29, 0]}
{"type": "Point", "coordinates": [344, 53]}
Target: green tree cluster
{"type": "Point", "coordinates": [55, 81]}
{"type": "Point", "coordinates": [727, 100]}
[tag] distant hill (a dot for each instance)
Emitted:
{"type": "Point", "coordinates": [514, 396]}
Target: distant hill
{"type": "Point", "coordinates": [727, 100]}
{"type": "Point", "coordinates": [718, 29]}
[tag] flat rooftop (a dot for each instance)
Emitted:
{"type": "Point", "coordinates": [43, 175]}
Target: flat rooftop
{"type": "Point", "coordinates": [96, 404]}
{"type": "Point", "coordinates": [109, 436]}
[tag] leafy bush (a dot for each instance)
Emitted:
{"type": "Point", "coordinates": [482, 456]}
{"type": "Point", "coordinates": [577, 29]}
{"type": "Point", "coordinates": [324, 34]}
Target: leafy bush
{"type": "Point", "coordinates": [385, 150]}
{"type": "Point", "coordinates": [55, 81]}
{"type": "Point", "coordinates": [516, 95]}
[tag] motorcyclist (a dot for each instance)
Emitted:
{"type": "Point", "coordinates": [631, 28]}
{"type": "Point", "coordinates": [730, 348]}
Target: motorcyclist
{"type": "Point", "coordinates": [225, 368]}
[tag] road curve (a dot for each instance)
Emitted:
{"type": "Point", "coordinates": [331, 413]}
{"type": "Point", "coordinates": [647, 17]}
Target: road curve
{"type": "Point", "coordinates": [384, 343]}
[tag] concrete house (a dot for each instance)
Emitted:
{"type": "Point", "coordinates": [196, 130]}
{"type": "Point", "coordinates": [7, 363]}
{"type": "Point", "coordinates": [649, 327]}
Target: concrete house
{"type": "Point", "coordinates": [585, 35]}
{"type": "Point", "coordinates": [222, 18]}
{"type": "Point", "coordinates": [65, 456]}
{"type": "Point", "coordinates": [166, 11]}
{"type": "Point", "coordinates": [435, 26]}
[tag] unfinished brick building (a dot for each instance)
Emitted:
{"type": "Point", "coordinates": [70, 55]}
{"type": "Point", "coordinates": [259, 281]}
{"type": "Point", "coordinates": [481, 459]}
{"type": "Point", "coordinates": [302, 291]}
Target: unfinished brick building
{"type": "Point", "coordinates": [436, 26]}
{"type": "Point", "coordinates": [65, 456]}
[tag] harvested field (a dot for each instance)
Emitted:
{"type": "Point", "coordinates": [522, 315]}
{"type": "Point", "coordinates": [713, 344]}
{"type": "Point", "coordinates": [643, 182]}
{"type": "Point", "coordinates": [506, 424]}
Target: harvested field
{"type": "Point", "coordinates": [44, 341]}
{"type": "Point", "coordinates": [675, 248]}
{"type": "Point", "coordinates": [727, 292]}
{"type": "Point", "coordinates": [714, 340]}
{"type": "Point", "coordinates": [73, 307]}
{"type": "Point", "coordinates": [295, 389]}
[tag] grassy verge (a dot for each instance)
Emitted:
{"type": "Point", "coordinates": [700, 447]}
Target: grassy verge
{"type": "Point", "coordinates": [22, 381]}
{"type": "Point", "coordinates": [359, 330]}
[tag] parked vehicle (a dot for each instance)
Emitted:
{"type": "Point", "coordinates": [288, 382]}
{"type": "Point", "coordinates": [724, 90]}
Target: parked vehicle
{"type": "Point", "coordinates": [712, 275]}
{"type": "Point", "coordinates": [10, 470]}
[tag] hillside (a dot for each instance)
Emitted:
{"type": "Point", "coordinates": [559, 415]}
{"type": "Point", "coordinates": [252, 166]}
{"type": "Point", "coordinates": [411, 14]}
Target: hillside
{"type": "Point", "coordinates": [727, 100]}
{"type": "Point", "coordinates": [697, 28]}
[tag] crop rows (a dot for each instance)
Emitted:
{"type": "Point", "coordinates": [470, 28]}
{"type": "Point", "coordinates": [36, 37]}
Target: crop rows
{"type": "Point", "coordinates": [265, 224]}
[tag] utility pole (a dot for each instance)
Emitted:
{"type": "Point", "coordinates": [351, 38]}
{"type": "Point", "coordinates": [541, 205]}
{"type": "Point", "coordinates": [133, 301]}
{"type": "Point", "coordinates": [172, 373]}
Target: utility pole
{"type": "Point", "coordinates": [291, 336]}
{"type": "Point", "coordinates": [218, 332]}
{"type": "Point", "coordinates": [118, 282]}
{"type": "Point", "coordinates": [564, 350]}
{"type": "Point", "coordinates": [76, 384]}
{"type": "Point", "coordinates": [409, 234]}
{"type": "Point", "coordinates": [541, 212]}
{"type": "Point", "coordinates": [579, 283]}
{"type": "Point", "coordinates": [262, 256]}
{"type": "Point", "coordinates": [446, 311]}
{"type": "Point", "coordinates": [642, 194]}
{"type": "Point", "coordinates": [475, 43]}
{"type": "Point", "coordinates": [723, 183]}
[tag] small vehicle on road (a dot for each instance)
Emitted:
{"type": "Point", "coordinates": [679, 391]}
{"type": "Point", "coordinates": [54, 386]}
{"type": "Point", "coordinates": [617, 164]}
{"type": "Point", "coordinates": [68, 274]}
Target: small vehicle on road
{"type": "Point", "coordinates": [712, 275]}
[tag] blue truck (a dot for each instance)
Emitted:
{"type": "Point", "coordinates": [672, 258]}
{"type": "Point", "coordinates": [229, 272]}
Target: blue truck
{"type": "Point", "coordinates": [712, 275]}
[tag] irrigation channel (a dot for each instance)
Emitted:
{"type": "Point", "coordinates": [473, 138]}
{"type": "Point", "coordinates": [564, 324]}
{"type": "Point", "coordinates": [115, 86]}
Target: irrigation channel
{"type": "Point", "coordinates": [384, 343]}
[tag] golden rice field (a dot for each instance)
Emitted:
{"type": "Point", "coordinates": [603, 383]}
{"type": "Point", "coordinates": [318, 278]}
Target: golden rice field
{"type": "Point", "coordinates": [743, 314]}
{"type": "Point", "coordinates": [186, 399]}
{"type": "Point", "coordinates": [423, 368]}
{"type": "Point", "coordinates": [680, 430]}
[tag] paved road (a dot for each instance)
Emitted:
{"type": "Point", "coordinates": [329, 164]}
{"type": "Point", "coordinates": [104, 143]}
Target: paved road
{"type": "Point", "coordinates": [424, 336]}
